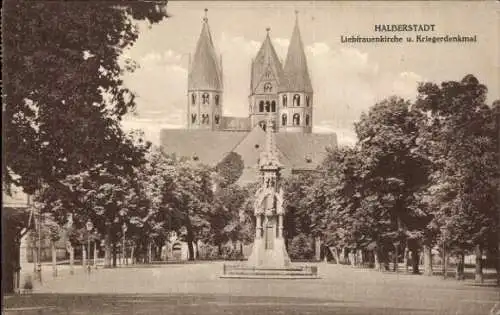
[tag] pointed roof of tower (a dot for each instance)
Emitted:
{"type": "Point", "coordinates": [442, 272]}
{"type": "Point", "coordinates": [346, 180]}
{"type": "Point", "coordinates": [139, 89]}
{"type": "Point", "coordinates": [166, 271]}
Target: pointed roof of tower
{"type": "Point", "coordinates": [296, 73]}
{"type": "Point", "coordinates": [266, 59]}
{"type": "Point", "coordinates": [205, 71]}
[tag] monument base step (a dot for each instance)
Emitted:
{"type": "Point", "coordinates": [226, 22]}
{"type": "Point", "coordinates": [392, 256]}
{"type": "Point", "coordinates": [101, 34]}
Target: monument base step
{"type": "Point", "coordinates": [242, 272]}
{"type": "Point", "coordinates": [256, 276]}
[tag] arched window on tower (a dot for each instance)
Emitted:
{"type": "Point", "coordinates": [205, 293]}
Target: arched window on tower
{"type": "Point", "coordinates": [193, 118]}
{"type": "Point", "coordinates": [283, 120]}
{"type": "Point", "coordinates": [307, 100]}
{"type": "Point", "coordinates": [268, 87]}
{"type": "Point", "coordinates": [193, 98]}
{"type": "Point", "coordinates": [268, 106]}
{"type": "Point", "coordinates": [205, 119]}
{"type": "Point", "coordinates": [273, 106]}
{"type": "Point", "coordinates": [205, 98]}
{"type": "Point", "coordinates": [307, 120]}
{"type": "Point", "coordinates": [216, 98]}
{"type": "Point", "coordinates": [296, 100]}
{"type": "Point", "coordinates": [284, 100]}
{"type": "Point", "coordinates": [261, 106]}
{"type": "Point", "coordinates": [296, 119]}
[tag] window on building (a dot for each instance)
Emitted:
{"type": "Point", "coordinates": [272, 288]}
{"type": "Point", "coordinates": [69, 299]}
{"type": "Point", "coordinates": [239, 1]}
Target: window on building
{"type": "Point", "coordinates": [283, 120]}
{"type": "Point", "coordinates": [261, 106]}
{"type": "Point", "coordinates": [216, 98]}
{"type": "Point", "coordinates": [217, 119]}
{"type": "Point", "coordinates": [193, 118]}
{"type": "Point", "coordinates": [193, 99]}
{"type": "Point", "coordinates": [205, 98]}
{"type": "Point", "coordinates": [307, 100]}
{"type": "Point", "coordinates": [296, 100]}
{"type": "Point", "coordinates": [268, 106]}
{"type": "Point", "coordinates": [296, 119]}
{"type": "Point", "coordinates": [273, 106]}
{"type": "Point", "coordinates": [284, 100]}
{"type": "Point", "coordinates": [205, 119]}
{"type": "Point", "coordinates": [307, 120]}
{"type": "Point", "coordinates": [268, 87]}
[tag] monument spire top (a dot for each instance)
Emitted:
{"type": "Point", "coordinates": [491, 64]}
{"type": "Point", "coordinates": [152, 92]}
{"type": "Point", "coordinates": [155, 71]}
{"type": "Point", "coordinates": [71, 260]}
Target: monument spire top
{"type": "Point", "coordinates": [205, 18]}
{"type": "Point", "coordinates": [270, 141]}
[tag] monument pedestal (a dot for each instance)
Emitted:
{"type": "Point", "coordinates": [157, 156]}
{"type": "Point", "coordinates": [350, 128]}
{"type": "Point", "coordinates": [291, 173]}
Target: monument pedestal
{"type": "Point", "coordinates": [269, 258]}
{"type": "Point", "coordinates": [277, 257]}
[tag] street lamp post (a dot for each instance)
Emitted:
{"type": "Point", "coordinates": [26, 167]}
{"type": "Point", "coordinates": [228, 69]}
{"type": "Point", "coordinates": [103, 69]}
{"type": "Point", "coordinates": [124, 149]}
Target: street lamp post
{"type": "Point", "coordinates": [39, 255]}
{"type": "Point", "coordinates": [95, 253]}
{"type": "Point", "coordinates": [89, 227]}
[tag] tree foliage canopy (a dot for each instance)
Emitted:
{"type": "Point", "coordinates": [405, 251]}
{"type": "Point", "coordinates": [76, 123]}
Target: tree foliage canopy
{"type": "Point", "coordinates": [63, 92]}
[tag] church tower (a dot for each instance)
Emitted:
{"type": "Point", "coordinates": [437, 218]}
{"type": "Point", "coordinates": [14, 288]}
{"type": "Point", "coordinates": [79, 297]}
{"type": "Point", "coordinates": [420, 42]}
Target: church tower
{"type": "Point", "coordinates": [265, 79]}
{"type": "Point", "coordinates": [295, 89]}
{"type": "Point", "coordinates": [205, 84]}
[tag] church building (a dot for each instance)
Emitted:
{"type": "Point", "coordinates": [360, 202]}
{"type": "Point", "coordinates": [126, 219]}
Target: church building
{"type": "Point", "coordinates": [284, 93]}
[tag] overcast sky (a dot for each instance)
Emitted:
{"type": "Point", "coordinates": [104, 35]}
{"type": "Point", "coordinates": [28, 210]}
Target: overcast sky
{"type": "Point", "coordinates": [347, 78]}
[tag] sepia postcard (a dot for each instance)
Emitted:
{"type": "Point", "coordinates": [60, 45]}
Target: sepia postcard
{"type": "Point", "coordinates": [251, 157]}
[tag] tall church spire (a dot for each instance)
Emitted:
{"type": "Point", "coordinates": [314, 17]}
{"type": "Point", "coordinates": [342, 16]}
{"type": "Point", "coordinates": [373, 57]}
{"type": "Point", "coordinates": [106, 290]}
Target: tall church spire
{"type": "Point", "coordinates": [296, 73]}
{"type": "Point", "coordinates": [205, 71]}
{"type": "Point", "coordinates": [205, 85]}
{"type": "Point", "coordinates": [295, 89]}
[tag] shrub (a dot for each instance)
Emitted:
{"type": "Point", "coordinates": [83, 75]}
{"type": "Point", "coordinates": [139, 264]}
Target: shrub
{"type": "Point", "coordinates": [28, 284]}
{"type": "Point", "coordinates": [301, 247]}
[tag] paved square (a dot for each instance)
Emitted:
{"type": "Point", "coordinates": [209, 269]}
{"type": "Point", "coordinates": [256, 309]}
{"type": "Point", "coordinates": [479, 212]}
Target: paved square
{"type": "Point", "coordinates": [197, 289]}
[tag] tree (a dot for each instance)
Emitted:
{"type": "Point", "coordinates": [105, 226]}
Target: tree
{"type": "Point", "coordinates": [301, 247]}
{"type": "Point", "coordinates": [306, 214]}
{"type": "Point", "coordinates": [341, 184]}
{"type": "Point", "coordinates": [150, 221]}
{"type": "Point", "coordinates": [230, 220]}
{"type": "Point", "coordinates": [63, 93]}
{"type": "Point", "coordinates": [461, 136]}
{"type": "Point", "coordinates": [190, 198]}
{"type": "Point", "coordinates": [396, 170]}
{"type": "Point", "coordinates": [230, 169]}
{"type": "Point", "coordinates": [108, 200]}
{"type": "Point", "coordinates": [297, 220]}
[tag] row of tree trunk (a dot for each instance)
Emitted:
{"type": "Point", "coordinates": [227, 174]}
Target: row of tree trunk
{"type": "Point", "coordinates": [380, 261]}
